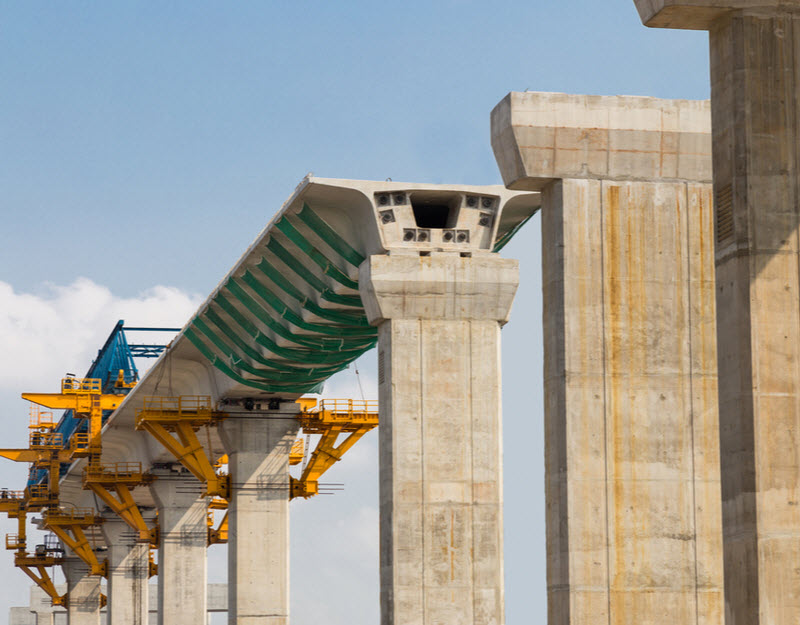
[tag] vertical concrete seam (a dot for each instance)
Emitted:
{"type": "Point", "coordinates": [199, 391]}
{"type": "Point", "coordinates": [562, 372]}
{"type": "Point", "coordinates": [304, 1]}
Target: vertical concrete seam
{"type": "Point", "coordinates": [691, 396]}
{"type": "Point", "coordinates": [473, 506]}
{"type": "Point", "coordinates": [795, 152]}
{"type": "Point", "coordinates": [605, 392]}
{"type": "Point", "coordinates": [421, 335]}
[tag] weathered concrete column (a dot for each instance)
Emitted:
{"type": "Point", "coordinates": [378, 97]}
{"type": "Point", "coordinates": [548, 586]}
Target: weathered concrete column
{"type": "Point", "coordinates": [128, 574]}
{"type": "Point", "coordinates": [755, 99]}
{"type": "Point", "coordinates": [183, 540]}
{"type": "Point", "coordinates": [441, 500]}
{"type": "Point", "coordinates": [631, 423]}
{"type": "Point", "coordinates": [84, 592]}
{"type": "Point", "coordinates": [258, 446]}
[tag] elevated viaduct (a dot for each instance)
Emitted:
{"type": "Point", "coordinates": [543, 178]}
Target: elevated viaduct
{"type": "Point", "coordinates": [343, 266]}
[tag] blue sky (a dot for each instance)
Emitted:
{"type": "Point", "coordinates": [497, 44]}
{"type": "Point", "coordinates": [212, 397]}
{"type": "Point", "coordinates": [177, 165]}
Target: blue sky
{"type": "Point", "coordinates": [146, 144]}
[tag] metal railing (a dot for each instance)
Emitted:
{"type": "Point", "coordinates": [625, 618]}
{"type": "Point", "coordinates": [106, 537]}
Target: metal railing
{"type": "Point", "coordinates": [13, 541]}
{"type": "Point", "coordinates": [70, 514]}
{"type": "Point", "coordinates": [192, 404]}
{"type": "Point", "coordinates": [38, 492]}
{"type": "Point", "coordinates": [92, 386]}
{"type": "Point", "coordinates": [40, 419]}
{"type": "Point", "coordinates": [348, 406]}
{"type": "Point", "coordinates": [114, 470]}
{"type": "Point", "coordinates": [46, 440]}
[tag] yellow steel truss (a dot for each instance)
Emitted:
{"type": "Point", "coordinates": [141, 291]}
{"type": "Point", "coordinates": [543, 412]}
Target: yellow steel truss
{"type": "Point", "coordinates": [173, 422]}
{"type": "Point", "coordinates": [217, 535]}
{"type": "Point", "coordinates": [122, 477]}
{"type": "Point", "coordinates": [69, 526]}
{"type": "Point", "coordinates": [27, 562]}
{"type": "Point", "coordinates": [331, 418]}
{"type": "Point", "coordinates": [85, 398]}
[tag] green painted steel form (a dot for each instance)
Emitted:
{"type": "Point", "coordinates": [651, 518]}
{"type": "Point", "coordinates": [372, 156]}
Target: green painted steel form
{"type": "Point", "coordinates": [256, 329]}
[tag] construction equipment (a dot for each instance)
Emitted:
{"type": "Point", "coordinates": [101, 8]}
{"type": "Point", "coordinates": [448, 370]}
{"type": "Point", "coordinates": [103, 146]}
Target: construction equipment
{"type": "Point", "coordinates": [182, 417]}
{"type": "Point", "coordinates": [330, 418]}
{"type": "Point", "coordinates": [122, 478]}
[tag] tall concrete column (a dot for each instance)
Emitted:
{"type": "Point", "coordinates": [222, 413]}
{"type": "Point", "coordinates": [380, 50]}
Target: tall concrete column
{"type": "Point", "coordinates": [755, 90]}
{"type": "Point", "coordinates": [258, 446]}
{"type": "Point", "coordinates": [631, 422]}
{"type": "Point", "coordinates": [83, 592]}
{"type": "Point", "coordinates": [128, 574]}
{"type": "Point", "coordinates": [183, 540]}
{"type": "Point", "coordinates": [441, 499]}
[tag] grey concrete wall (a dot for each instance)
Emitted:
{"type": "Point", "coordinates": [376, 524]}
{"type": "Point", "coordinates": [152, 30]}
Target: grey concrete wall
{"type": "Point", "coordinates": [631, 422]}
{"type": "Point", "coordinates": [441, 496]}
{"type": "Point", "coordinates": [183, 541]}
{"type": "Point", "coordinates": [755, 108]}
{"type": "Point", "coordinates": [754, 98]}
{"type": "Point", "coordinates": [258, 514]}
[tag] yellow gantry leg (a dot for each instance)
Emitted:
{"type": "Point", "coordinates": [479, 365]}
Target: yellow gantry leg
{"type": "Point", "coordinates": [121, 477]}
{"type": "Point", "coordinates": [173, 422]}
{"type": "Point", "coordinates": [81, 547]}
{"type": "Point", "coordinates": [218, 535]}
{"type": "Point", "coordinates": [69, 526]}
{"type": "Point", "coordinates": [43, 580]}
{"type": "Point", "coordinates": [126, 508]}
{"type": "Point", "coordinates": [323, 458]}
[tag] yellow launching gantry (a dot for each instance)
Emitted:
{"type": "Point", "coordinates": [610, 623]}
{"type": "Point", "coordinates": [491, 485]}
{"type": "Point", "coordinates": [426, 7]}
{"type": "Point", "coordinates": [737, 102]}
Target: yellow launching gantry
{"type": "Point", "coordinates": [175, 422]}
{"type": "Point", "coordinates": [35, 564]}
{"type": "Point", "coordinates": [330, 418]}
{"type": "Point", "coordinates": [46, 450]}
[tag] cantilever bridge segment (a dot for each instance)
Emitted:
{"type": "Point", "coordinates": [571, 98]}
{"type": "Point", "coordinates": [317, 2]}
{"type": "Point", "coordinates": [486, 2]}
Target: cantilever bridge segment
{"type": "Point", "coordinates": [343, 266]}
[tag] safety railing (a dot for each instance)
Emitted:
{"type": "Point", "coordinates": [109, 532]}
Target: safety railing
{"type": "Point", "coordinates": [70, 515]}
{"type": "Point", "coordinates": [46, 440]}
{"type": "Point", "coordinates": [189, 404]}
{"type": "Point", "coordinates": [79, 441]}
{"type": "Point", "coordinates": [345, 406]}
{"type": "Point", "coordinates": [14, 495]}
{"type": "Point", "coordinates": [40, 419]}
{"type": "Point", "coordinates": [114, 470]}
{"type": "Point", "coordinates": [81, 386]}
{"type": "Point", "coordinates": [37, 493]}
{"type": "Point", "coordinates": [13, 541]}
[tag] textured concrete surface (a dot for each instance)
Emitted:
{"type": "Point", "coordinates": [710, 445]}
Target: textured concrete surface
{"type": "Point", "coordinates": [83, 607]}
{"type": "Point", "coordinates": [631, 422]}
{"type": "Point", "coordinates": [40, 607]}
{"type": "Point", "coordinates": [701, 14]}
{"type": "Point", "coordinates": [441, 502]}
{"type": "Point", "coordinates": [128, 574]}
{"type": "Point", "coordinates": [754, 95]}
{"type": "Point", "coordinates": [258, 448]}
{"type": "Point", "coordinates": [183, 537]}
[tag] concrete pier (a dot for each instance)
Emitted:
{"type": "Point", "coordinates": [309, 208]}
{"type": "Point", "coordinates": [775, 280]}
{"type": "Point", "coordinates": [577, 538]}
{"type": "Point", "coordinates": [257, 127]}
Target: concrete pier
{"type": "Point", "coordinates": [754, 97]}
{"type": "Point", "coordinates": [441, 501]}
{"type": "Point", "coordinates": [128, 574]}
{"type": "Point", "coordinates": [42, 612]}
{"type": "Point", "coordinates": [83, 605]}
{"type": "Point", "coordinates": [258, 446]}
{"type": "Point", "coordinates": [183, 538]}
{"type": "Point", "coordinates": [631, 422]}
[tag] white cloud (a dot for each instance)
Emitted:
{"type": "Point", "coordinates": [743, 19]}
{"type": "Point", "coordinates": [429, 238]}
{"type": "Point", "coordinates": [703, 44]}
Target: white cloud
{"type": "Point", "coordinates": [44, 335]}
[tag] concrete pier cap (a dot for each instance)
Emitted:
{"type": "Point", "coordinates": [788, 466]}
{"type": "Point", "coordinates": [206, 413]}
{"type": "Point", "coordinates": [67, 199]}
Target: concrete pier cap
{"type": "Point", "coordinates": [700, 14]}
{"type": "Point", "coordinates": [632, 479]}
{"type": "Point", "coordinates": [541, 137]}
